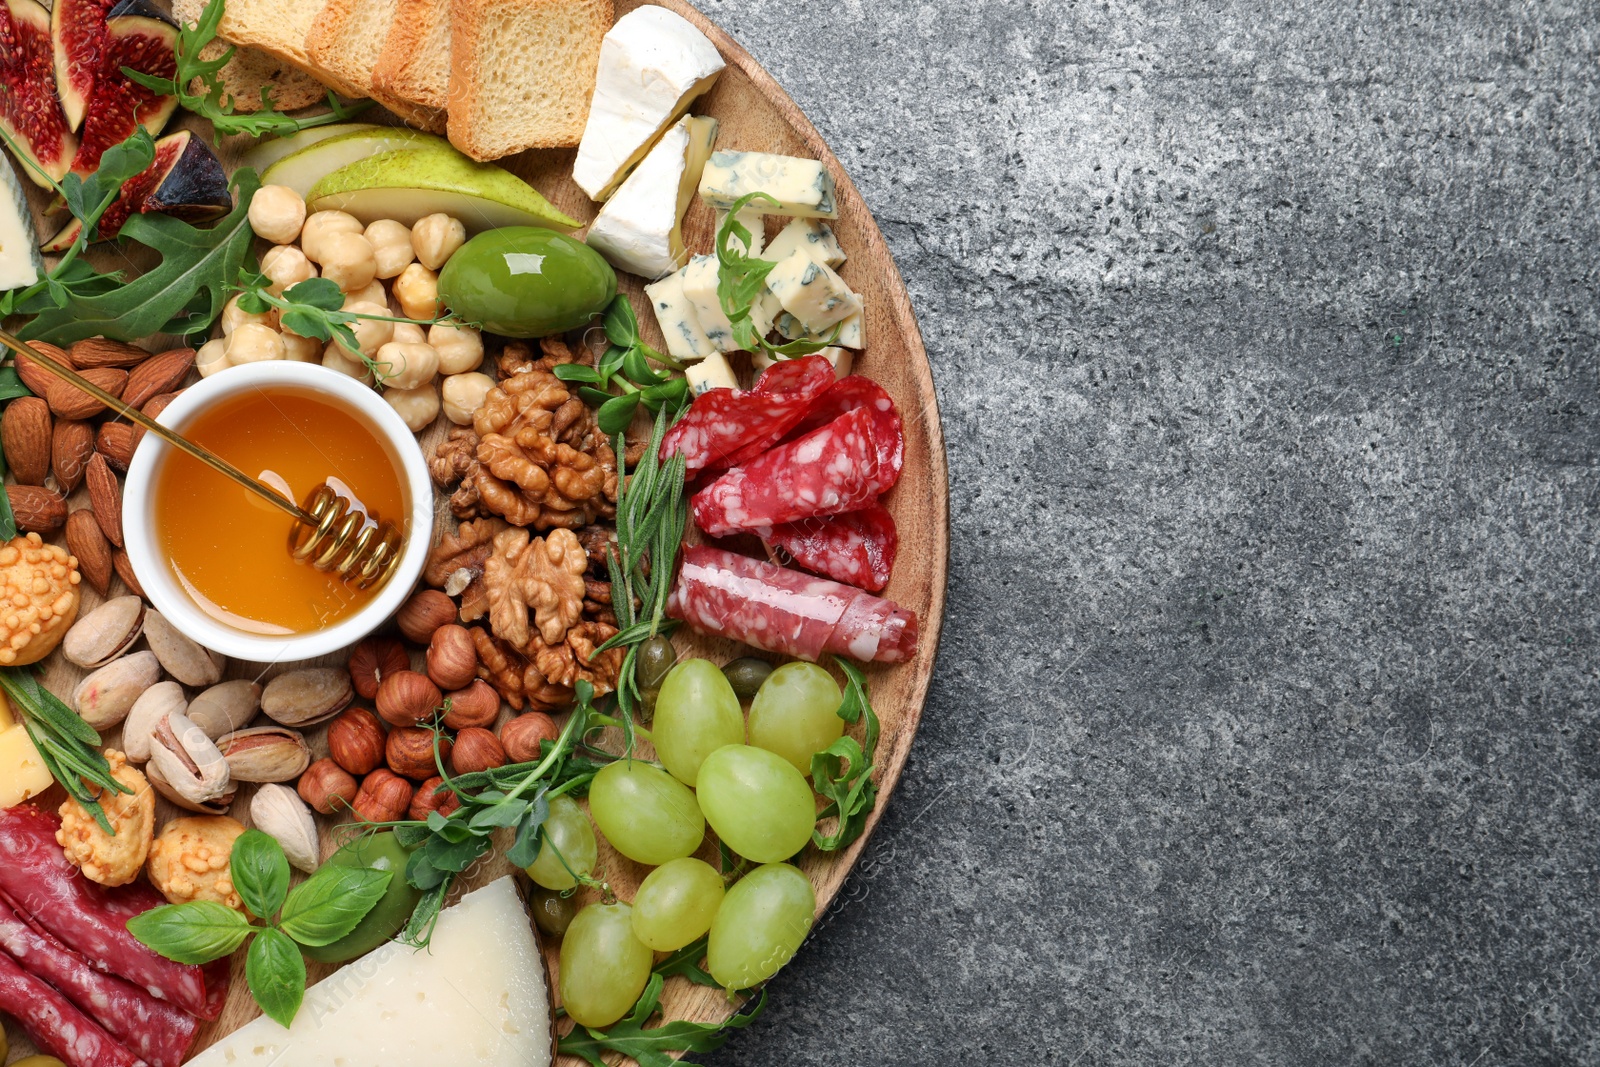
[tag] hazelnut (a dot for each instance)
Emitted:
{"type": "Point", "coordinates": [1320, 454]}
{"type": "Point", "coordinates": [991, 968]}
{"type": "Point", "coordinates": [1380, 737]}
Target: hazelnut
{"type": "Point", "coordinates": [327, 787]}
{"type": "Point", "coordinates": [405, 698]}
{"type": "Point", "coordinates": [521, 736]}
{"type": "Point", "coordinates": [410, 752]}
{"type": "Point", "coordinates": [452, 657]}
{"type": "Point", "coordinates": [476, 705]}
{"type": "Point", "coordinates": [373, 660]}
{"type": "Point", "coordinates": [384, 797]}
{"type": "Point", "coordinates": [433, 796]}
{"type": "Point", "coordinates": [477, 750]}
{"type": "Point", "coordinates": [424, 613]}
{"type": "Point", "coordinates": [355, 740]}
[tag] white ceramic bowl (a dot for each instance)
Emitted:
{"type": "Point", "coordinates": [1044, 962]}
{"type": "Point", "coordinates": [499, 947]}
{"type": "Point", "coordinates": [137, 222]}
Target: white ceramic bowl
{"type": "Point", "coordinates": [150, 564]}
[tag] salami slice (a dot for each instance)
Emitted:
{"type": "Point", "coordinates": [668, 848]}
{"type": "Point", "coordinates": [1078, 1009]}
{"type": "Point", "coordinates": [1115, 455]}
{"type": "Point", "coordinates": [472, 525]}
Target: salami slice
{"type": "Point", "coordinates": [781, 610]}
{"type": "Point", "coordinates": [856, 549]}
{"type": "Point", "coordinates": [858, 391]}
{"type": "Point", "coordinates": [727, 427]}
{"type": "Point", "coordinates": [57, 1027]}
{"type": "Point", "coordinates": [156, 1032]}
{"type": "Point", "coordinates": [826, 472]}
{"type": "Point", "coordinates": [39, 883]}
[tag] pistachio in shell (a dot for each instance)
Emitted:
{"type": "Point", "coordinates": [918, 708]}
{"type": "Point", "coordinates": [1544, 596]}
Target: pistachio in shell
{"type": "Point", "coordinates": [153, 704]}
{"type": "Point", "coordinates": [180, 656]}
{"type": "Point", "coordinates": [105, 633]}
{"type": "Point", "coordinates": [190, 765]}
{"type": "Point", "coordinates": [225, 707]}
{"type": "Point", "coordinates": [105, 697]}
{"type": "Point", "coordinates": [265, 754]}
{"type": "Point", "coordinates": [307, 696]}
{"type": "Point", "coordinates": [279, 813]}
{"type": "Point", "coordinates": [218, 806]}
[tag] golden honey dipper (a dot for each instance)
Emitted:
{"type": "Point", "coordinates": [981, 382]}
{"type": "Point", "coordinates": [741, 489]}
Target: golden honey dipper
{"type": "Point", "coordinates": [327, 533]}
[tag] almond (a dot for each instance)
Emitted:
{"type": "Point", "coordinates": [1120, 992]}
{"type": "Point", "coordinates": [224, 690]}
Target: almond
{"type": "Point", "coordinates": [70, 448]}
{"type": "Point", "coordinates": [157, 375]}
{"type": "Point", "coordinates": [104, 352]}
{"type": "Point", "coordinates": [68, 402]}
{"type": "Point", "coordinates": [124, 568]}
{"type": "Point", "coordinates": [25, 436]}
{"type": "Point", "coordinates": [36, 508]}
{"type": "Point", "coordinates": [105, 498]}
{"type": "Point", "coordinates": [89, 544]}
{"type": "Point", "coordinates": [116, 441]}
{"type": "Point", "coordinates": [40, 381]}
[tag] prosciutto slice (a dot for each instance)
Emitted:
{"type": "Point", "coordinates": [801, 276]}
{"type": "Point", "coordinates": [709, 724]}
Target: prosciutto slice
{"type": "Point", "coordinates": [54, 1024]}
{"type": "Point", "coordinates": [781, 610]}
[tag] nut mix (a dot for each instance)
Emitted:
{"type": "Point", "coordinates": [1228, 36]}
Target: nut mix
{"type": "Point", "coordinates": [405, 698]}
{"type": "Point", "coordinates": [522, 735]}
{"type": "Point", "coordinates": [433, 795]}
{"type": "Point", "coordinates": [476, 705]}
{"type": "Point", "coordinates": [424, 613]}
{"type": "Point", "coordinates": [476, 749]}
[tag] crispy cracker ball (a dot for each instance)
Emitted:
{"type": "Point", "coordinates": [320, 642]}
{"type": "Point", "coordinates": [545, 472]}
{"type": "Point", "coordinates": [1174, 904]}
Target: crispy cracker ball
{"type": "Point", "coordinates": [38, 597]}
{"type": "Point", "coordinates": [189, 860]}
{"type": "Point", "coordinates": [111, 859]}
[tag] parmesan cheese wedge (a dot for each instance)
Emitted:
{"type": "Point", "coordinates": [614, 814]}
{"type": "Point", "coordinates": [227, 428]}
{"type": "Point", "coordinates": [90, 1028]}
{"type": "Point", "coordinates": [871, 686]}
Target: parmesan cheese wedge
{"type": "Point", "coordinates": [640, 230]}
{"type": "Point", "coordinates": [476, 996]}
{"type": "Point", "coordinates": [23, 773]}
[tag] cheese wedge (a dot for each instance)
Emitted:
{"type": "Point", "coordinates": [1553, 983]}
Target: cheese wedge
{"type": "Point", "coordinates": [812, 292]}
{"type": "Point", "coordinates": [640, 230]}
{"type": "Point", "coordinates": [713, 372]}
{"type": "Point", "coordinates": [20, 262]}
{"type": "Point", "coordinates": [477, 996]}
{"type": "Point", "coordinates": [676, 316]}
{"type": "Point", "coordinates": [801, 187]}
{"type": "Point", "coordinates": [811, 236]}
{"type": "Point", "coordinates": [843, 360]}
{"type": "Point", "coordinates": [23, 773]}
{"type": "Point", "coordinates": [653, 65]}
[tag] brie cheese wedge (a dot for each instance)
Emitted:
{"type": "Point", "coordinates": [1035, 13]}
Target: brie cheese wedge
{"type": "Point", "coordinates": [801, 187]}
{"type": "Point", "coordinates": [653, 65]}
{"type": "Point", "coordinates": [640, 230]}
{"type": "Point", "coordinates": [676, 316]}
{"type": "Point", "coordinates": [20, 262]}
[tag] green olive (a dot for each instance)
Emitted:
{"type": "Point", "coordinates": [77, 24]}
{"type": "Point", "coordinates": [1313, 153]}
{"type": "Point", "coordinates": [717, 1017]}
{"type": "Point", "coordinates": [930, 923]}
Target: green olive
{"type": "Point", "coordinates": [647, 703]}
{"type": "Point", "coordinates": [38, 1061]}
{"type": "Point", "coordinates": [526, 281]}
{"type": "Point", "coordinates": [655, 658]}
{"type": "Point", "coordinates": [552, 912]}
{"type": "Point", "coordinates": [388, 917]}
{"type": "Point", "coordinates": [746, 675]}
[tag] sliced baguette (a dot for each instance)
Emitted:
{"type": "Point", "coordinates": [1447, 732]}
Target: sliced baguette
{"type": "Point", "coordinates": [522, 72]}
{"type": "Point", "coordinates": [345, 41]}
{"type": "Point", "coordinates": [415, 62]}
{"type": "Point", "coordinates": [251, 70]}
{"type": "Point", "coordinates": [277, 27]}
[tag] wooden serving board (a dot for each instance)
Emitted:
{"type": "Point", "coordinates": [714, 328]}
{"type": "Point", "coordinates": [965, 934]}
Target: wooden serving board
{"type": "Point", "coordinates": [755, 115]}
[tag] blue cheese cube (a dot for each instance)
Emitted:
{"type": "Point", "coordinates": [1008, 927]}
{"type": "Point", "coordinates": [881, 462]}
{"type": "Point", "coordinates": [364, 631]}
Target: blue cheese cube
{"type": "Point", "coordinates": [713, 372]}
{"type": "Point", "coordinates": [812, 292]}
{"type": "Point", "coordinates": [754, 221]}
{"type": "Point", "coordinates": [801, 187]}
{"type": "Point", "coordinates": [851, 331]}
{"type": "Point", "coordinates": [700, 286]}
{"type": "Point", "coordinates": [843, 360]}
{"type": "Point", "coordinates": [811, 236]}
{"type": "Point", "coordinates": [679, 323]}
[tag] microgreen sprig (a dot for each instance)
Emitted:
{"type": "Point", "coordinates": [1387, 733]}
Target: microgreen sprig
{"type": "Point", "coordinates": [626, 365]}
{"type": "Point", "coordinates": [212, 103]}
{"type": "Point", "coordinates": [742, 280]}
{"type": "Point", "coordinates": [69, 746]}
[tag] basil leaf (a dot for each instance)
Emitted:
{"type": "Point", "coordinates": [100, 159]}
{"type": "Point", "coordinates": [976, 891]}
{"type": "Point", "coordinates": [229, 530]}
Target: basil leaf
{"type": "Point", "coordinates": [193, 933]}
{"type": "Point", "coordinates": [330, 903]}
{"type": "Point", "coordinates": [621, 326]}
{"type": "Point", "coordinates": [615, 414]}
{"type": "Point", "coordinates": [277, 975]}
{"type": "Point", "coordinates": [260, 873]}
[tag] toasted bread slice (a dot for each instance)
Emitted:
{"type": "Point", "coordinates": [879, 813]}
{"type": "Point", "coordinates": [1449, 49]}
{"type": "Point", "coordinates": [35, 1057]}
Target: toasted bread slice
{"type": "Point", "coordinates": [415, 62]}
{"type": "Point", "coordinates": [345, 41]}
{"type": "Point", "coordinates": [522, 72]}
{"type": "Point", "coordinates": [279, 28]}
{"type": "Point", "coordinates": [251, 70]}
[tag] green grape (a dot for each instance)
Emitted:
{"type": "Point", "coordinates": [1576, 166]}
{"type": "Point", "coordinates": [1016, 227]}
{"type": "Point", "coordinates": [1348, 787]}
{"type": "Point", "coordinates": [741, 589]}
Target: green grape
{"type": "Point", "coordinates": [757, 803]}
{"type": "Point", "coordinates": [696, 714]}
{"type": "Point", "coordinates": [604, 967]}
{"type": "Point", "coordinates": [676, 903]}
{"type": "Point", "coordinates": [795, 713]}
{"type": "Point", "coordinates": [566, 831]}
{"type": "Point", "coordinates": [760, 925]}
{"type": "Point", "coordinates": [645, 813]}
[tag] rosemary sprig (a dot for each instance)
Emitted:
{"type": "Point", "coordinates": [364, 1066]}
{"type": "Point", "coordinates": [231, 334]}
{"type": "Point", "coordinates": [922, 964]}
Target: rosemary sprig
{"type": "Point", "coordinates": [69, 746]}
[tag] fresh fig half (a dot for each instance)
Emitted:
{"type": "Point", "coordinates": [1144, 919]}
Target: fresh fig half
{"type": "Point", "coordinates": [141, 38]}
{"type": "Point", "coordinates": [78, 37]}
{"type": "Point", "coordinates": [30, 113]}
{"type": "Point", "coordinates": [186, 181]}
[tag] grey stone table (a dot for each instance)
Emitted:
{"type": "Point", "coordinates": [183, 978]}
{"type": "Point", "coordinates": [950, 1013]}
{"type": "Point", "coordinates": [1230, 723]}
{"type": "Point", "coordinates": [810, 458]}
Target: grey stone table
{"type": "Point", "coordinates": [1264, 729]}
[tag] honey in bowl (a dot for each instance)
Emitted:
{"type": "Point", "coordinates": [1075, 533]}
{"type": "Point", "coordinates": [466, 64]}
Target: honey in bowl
{"type": "Point", "coordinates": [228, 548]}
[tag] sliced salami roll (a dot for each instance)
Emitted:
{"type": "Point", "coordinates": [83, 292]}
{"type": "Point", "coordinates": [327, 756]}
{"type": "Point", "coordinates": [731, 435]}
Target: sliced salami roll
{"type": "Point", "coordinates": [858, 391]}
{"type": "Point", "coordinates": [90, 919]}
{"type": "Point", "coordinates": [781, 610]}
{"type": "Point", "coordinates": [158, 1033]}
{"type": "Point", "coordinates": [856, 549]}
{"type": "Point", "coordinates": [57, 1027]}
{"type": "Point", "coordinates": [827, 472]}
{"type": "Point", "coordinates": [727, 427]}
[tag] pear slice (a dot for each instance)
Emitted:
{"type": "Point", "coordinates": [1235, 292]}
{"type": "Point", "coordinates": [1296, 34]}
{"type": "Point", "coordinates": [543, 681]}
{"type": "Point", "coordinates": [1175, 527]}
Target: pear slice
{"type": "Point", "coordinates": [408, 185]}
{"type": "Point", "coordinates": [273, 149]}
{"type": "Point", "coordinates": [303, 169]}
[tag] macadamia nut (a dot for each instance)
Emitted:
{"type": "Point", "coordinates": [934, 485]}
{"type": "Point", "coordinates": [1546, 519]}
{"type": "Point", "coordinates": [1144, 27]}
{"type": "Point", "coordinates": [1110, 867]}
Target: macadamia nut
{"type": "Point", "coordinates": [212, 357]}
{"type": "Point", "coordinates": [348, 259]}
{"type": "Point", "coordinates": [254, 343]}
{"type": "Point", "coordinates": [371, 334]}
{"type": "Point", "coordinates": [391, 244]}
{"type": "Point", "coordinates": [334, 357]}
{"type": "Point", "coordinates": [417, 407]}
{"type": "Point", "coordinates": [436, 238]}
{"type": "Point", "coordinates": [277, 212]}
{"type": "Point", "coordinates": [372, 294]}
{"type": "Point", "coordinates": [460, 348]}
{"type": "Point", "coordinates": [417, 290]}
{"type": "Point", "coordinates": [299, 349]}
{"type": "Point", "coordinates": [409, 333]}
{"type": "Point", "coordinates": [463, 395]}
{"type": "Point", "coordinates": [406, 366]}
{"type": "Point", "coordinates": [233, 318]}
{"type": "Point", "coordinates": [322, 225]}
{"type": "Point", "coordinates": [286, 265]}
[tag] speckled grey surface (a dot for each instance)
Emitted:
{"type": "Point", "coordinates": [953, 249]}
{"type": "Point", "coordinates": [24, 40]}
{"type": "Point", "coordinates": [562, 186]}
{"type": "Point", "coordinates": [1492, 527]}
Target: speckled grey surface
{"type": "Point", "coordinates": [1264, 728]}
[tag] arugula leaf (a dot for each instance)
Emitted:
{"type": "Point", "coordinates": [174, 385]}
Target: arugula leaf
{"type": "Point", "coordinates": [193, 262]}
{"type": "Point", "coordinates": [650, 1047]}
{"type": "Point", "coordinates": [741, 277]}
{"type": "Point", "coordinates": [193, 933]}
{"type": "Point", "coordinates": [260, 873]}
{"type": "Point", "coordinates": [277, 975]}
{"type": "Point", "coordinates": [329, 904]}
{"type": "Point", "coordinates": [685, 963]}
{"type": "Point", "coordinates": [842, 772]}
